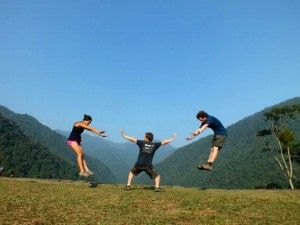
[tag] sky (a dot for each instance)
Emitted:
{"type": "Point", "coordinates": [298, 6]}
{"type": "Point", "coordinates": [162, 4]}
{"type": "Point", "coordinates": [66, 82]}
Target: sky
{"type": "Point", "coordinates": [147, 65]}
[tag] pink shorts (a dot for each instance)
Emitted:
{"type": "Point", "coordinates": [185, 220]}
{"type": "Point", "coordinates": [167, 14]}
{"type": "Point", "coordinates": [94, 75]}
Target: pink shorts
{"type": "Point", "coordinates": [72, 142]}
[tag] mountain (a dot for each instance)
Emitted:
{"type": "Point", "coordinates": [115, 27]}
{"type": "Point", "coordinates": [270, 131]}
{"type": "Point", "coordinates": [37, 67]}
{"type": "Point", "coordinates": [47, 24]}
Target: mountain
{"type": "Point", "coordinates": [118, 157]}
{"type": "Point", "coordinates": [54, 142]}
{"type": "Point", "coordinates": [240, 164]}
{"type": "Point", "coordinates": [22, 157]}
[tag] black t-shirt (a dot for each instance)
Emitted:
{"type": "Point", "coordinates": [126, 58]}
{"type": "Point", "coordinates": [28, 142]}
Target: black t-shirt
{"type": "Point", "coordinates": [147, 150]}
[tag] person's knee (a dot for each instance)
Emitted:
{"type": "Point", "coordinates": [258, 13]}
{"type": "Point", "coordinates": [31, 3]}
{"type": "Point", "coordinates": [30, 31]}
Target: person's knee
{"type": "Point", "coordinates": [154, 175]}
{"type": "Point", "coordinates": [215, 148]}
{"type": "Point", "coordinates": [80, 154]}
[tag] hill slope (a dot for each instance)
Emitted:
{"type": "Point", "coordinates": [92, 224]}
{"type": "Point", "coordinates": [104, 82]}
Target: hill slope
{"type": "Point", "coordinates": [21, 157]}
{"type": "Point", "coordinates": [47, 202]}
{"type": "Point", "coordinates": [241, 164]}
{"type": "Point", "coordinates": [55, 142]}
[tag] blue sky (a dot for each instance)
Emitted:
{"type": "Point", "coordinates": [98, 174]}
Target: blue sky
{"type": "Point", "coordinates": [147, 65]}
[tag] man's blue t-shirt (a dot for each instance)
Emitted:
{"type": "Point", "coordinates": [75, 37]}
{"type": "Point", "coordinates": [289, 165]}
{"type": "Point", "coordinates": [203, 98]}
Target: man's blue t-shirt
{"type": "Point", "coordinates": [215, 125]}
{"type": "Point", "coordinates": [147, 150]}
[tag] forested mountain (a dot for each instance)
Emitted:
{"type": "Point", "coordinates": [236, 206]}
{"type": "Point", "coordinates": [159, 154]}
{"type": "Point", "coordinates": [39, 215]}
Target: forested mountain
{"type": "Point", "coordinates": [54, 142]}
{"type": "Point", "coordinates": [240, 164]}
{"type": "Point", "coordinates": [22, 157]}
{"type": "Point", "coordinates": [118, 157]}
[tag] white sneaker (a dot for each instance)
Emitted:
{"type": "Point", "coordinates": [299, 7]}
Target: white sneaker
{"type": "Point", "coordinates": [84, 174]}
{"type": "Point", "coordinates": [91, 173]}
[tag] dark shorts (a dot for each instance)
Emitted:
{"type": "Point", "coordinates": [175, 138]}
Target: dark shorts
{"type": "Point", "coordinates": [152, 173]}
{"type": "Point", "coordinates": [218, 141]}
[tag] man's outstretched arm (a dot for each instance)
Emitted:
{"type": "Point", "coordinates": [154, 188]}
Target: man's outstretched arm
{"type": "Point", "coordinates": [196, 132]}
{"type": "Point", "coordinates": [168, 141]}
{"type": "Point", "coordinates": [132, 139]}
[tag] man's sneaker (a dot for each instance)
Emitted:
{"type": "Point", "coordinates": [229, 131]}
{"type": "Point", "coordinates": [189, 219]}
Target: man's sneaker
{"type": "Point", "coordinates": [207, 166]}
{"type": "Point", "coordinates": [91, 173]}
{"type": "Point", "coordinates": [158, 189]}
{"type": "Point", "coordinates": [200, 167]}
{"type": "Point", "coordinates": [84, 174]}
{"type": "Point", "coordinates": [128, 188]}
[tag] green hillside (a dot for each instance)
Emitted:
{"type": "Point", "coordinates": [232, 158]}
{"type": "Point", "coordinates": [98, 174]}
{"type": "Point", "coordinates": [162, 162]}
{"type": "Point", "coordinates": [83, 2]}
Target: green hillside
{"type": "Point", "coordinates": [31, 201]}
{"type": "Point", "coordinates": [21, 157]}
{"type": "Point", "coordinates": [54, 142]}
{"type": "Point", "coordinates": [241, 164]}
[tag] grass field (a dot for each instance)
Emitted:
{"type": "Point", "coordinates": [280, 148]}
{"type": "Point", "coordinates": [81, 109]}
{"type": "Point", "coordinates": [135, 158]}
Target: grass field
{"type": "Point", "coordinates": [29, 201]}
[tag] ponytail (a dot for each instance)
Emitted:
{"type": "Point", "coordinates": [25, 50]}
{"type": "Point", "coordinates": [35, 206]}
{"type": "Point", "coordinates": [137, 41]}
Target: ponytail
{"type": "Point", "coordinates": [87, 117]}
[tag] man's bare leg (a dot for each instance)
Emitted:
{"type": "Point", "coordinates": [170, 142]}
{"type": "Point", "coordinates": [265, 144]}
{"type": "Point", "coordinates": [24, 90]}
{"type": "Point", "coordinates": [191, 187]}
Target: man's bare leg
{"type": "Point", "coordinates": [157, 181]}
{"type": "Point", "coordinates": [157, 184]}
{"type": "Point", "coordinates": [213, 154]}
{"type": "Point", "coordinates": [212, 157]}
{"type": "Point", "coordinates": [130, 178]}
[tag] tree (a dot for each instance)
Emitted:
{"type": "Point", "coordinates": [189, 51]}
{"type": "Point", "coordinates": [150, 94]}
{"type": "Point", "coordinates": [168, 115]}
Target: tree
{"type": "Point", "coordinates": [288, 152]}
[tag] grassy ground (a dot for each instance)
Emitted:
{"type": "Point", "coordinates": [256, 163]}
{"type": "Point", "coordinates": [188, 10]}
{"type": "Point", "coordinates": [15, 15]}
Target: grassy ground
{"type": "Point", "coordinates": [25, 201]}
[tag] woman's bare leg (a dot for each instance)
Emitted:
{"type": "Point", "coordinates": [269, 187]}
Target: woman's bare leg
{"type": "Point", "coordinates": [77, 149]}
{"type": "Point", "coordinates": [83, 160]}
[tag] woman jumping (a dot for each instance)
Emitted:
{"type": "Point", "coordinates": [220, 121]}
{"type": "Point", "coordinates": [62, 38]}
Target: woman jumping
{"type": "Point", "coordinates": [75, 139]}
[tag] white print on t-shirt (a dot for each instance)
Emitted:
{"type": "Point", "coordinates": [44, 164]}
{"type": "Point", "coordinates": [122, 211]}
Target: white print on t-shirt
{"type": "Point", "coordinates": [148, 148]}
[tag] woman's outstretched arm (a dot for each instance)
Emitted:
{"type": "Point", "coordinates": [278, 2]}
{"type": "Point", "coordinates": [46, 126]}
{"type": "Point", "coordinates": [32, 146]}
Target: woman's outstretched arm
{"type": "Point", "coordinates": [92, 129]}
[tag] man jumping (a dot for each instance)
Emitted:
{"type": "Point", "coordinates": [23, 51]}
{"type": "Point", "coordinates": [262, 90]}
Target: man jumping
{"type": "Point", "coordinates": [144, 161]}
{"type": "Point", "coordinates": [217, 141]}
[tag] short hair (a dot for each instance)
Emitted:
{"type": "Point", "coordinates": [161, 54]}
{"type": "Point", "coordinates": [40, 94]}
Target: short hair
{"type": "Point", "coordinates": [149, 136]}
{"type": "Point", "coordinates": [87, 118]}
{"type": "Point", "coordinates": [201, 114]}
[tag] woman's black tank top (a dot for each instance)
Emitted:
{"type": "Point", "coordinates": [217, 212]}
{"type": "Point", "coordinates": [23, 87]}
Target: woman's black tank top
{"type": "Point", "coordinates": [75, 134]}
